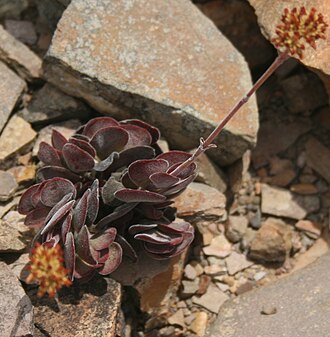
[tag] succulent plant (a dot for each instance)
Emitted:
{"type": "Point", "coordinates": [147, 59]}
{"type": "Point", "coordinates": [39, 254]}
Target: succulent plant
{"type": "Point", "coordinates": [105, 192]}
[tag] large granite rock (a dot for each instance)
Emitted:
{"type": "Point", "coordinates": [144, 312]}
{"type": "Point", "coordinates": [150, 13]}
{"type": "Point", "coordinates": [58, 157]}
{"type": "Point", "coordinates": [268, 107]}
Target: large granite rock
{"type": "Point", "coordinates": [157, 61]}
{"type": "Point", "coordinates": [299, 302]}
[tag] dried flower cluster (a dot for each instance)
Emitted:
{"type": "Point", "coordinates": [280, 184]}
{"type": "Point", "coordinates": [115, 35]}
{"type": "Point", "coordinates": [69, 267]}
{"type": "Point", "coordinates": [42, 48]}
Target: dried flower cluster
{"type": "Point", "coordinates": [106, 192]}
{"type": "Point", "coordinates": [46, 268]}
{"type": "Point", "coordinates": [297, 28]}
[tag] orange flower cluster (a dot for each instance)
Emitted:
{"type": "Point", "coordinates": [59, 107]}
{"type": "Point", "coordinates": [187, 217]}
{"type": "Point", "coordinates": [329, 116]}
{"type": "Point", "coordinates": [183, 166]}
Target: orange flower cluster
{"type": "Point", "coordinates": [297, 27]}
{"type": "Point", "coordinates": [48, 270]}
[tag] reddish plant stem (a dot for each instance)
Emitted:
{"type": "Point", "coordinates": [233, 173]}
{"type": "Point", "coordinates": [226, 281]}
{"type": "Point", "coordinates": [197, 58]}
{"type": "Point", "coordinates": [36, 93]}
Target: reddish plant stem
{"type": "Point", "coordinates": [207, 143]}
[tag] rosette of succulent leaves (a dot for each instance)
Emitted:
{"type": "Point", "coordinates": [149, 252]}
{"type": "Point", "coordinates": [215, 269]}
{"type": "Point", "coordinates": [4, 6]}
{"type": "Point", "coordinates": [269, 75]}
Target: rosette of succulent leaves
{"type": "Point", "coordinates": [105, 192]}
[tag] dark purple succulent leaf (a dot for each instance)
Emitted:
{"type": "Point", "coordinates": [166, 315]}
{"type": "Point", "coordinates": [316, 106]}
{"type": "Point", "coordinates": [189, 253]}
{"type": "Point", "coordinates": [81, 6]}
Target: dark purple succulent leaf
{"type": "Point", "coordinates": [154, 236]}
{"type": "Point", "coordinates": [159, 249]}
{"type": "Point", "coordinates": [48, 155]}
{"type": "Point", "coordinates": [154, 132]}
{"type": "Point", "coordinates": [127, 182]}
{"type": "Point", "coordinates": [139, 228]}
{"type": "Point", "coordinates": [61, 203]}
{"type": "Point", "coordinates": [93, 203]}
{"type": "Point", "coordinates": [140, 171]}
{"type": "Point", "coordinates": [187, 171]}
{"type": "Point", "coordinates": [83, 249]}
{"type": "Point", "coordinates": [35, 197]}
{"type": "Point", "coordinates": [179, 187]}
{"type": "Point", "coordinates": [108, 140]}
{"type": "Point", "coordinates": [137, 136]}
{"type": "Point", "coordinates": [51, 241]}
{"type": "Point", "coordinates": [49, 172]}
{"type": "Point", "coordinates": [150, 211]}
{"type": "Point", "coordinates": [83, 145]}
{"type": "Point", "coordinates": [80, 136]}
{"type": "Point", "coordinates": [97, 124]}
{"type": "Point", "coordinates": [83, 271]}
{"type": "Point", "coordinates": [114, 258]}
{"type": "Point", "coordinates": [108, 190]}
{"type": "Point", "coordinates": [69, 254]}
{"type": "Point", "coordinates": [119, 212]}
{"type": "Point", "coordinates": [128, 156]}
{"type": "Point", "coordinates": [103, 165]}
{"type": "Point", "coordinates": [66, 226]}
{"type": "Point", "coordinates": [54, 220]}
{"type": "Point", "coordinates": [163, 180]}
{"type": "Point", "coordinates": [54, 190]}
{"type": "Point", "coordinates": [58, 140]}
{"type": "Point", "coordinates": [77, 159]}
{"type": "Point", "coordinates": [25, 204]}
{"type": "Point", "coordinates": [174, 157]}
{"type": "Point", "coordinates": [36, 218]}
{"type": "Point", "coordinates": [103, 240]}
{"type": "Point", "coordinates": [127, 248]}
{"type": "Point", "coordinates": [130, 195]}
{"type": "Point", "coordinates": [79, 214]}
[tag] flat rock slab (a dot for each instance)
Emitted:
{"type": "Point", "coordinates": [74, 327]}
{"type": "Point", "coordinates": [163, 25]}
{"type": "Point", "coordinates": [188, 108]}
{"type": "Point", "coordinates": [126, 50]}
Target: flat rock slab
{"type": "Point", "coordinates": [159, 62]}
{"type": "Point", "coordinates": [93, 311]}
{"type": "Point", "coordinates": [16, 312]}
{"type": "Point", "coordinates": [301, 301]}
{"type": "Point", "coordinates": [11, 88]}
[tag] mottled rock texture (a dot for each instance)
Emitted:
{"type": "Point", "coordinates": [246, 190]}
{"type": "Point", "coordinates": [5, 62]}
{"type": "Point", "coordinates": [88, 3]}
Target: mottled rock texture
{"type": "Point", "coordinates": [162, 62]}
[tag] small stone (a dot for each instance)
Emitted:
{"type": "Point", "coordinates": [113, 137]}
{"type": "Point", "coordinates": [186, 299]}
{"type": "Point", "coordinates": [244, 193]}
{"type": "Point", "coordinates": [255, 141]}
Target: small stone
{"type": "Point", "coordinates": [22, 30]}
{"type": "Point", "coordinates": [11, 240]}
{"type": "Point", "coordinates": [268, 310]}
{"type": "Point", "coordinates": [244, 287]}
{"type": "Point", "coordinates": [255, 219]}
{"type": "Point", "coordinates": [304, 189]}
{"type": "Point", "coordinates": [199, 324]}
{"type": "Point", "coordinates": [177, 318]}
{"type": "Point", "coordinates": [207, 238]}
{"type": "Point", "coordinates": [12, 8]}
{"type": "Point", "coordinates": [212, 300]}
{"type": "Point", "coordinates": [259, 275]}
{"type": "Point", "coordinates": [15, 138]}
{"type": "Point", "coordinates": [215, 270]}
{"type": "Point", "coordinates": [280, 202]}
{"type": "Point", "coordinates": [190, 272]}
{"type": "Point", "coordinates": [237, 262]}
{"type": "Point", "coordinates": [248, 238]}
{"type": "Point", "coordinates": [219, 247]}
{"type": "Point", "coordinates": [4, 209]}
{"type": "Point", "coordinates": [284, 178]}
{"type": "Point", "coordinates": [230, 280]}
{"type": "Point", "coordinates": [20, 266]}
{"type": "Point", "coordinates": [236, 228]}
{"type": "Point", "coordinates": [272, 242]}
{"type": "Point", "coordinates": [18, 56]}
{"type": "Point", "coordinates": [189, 319]}
{"type": "Point", "coordinates": [198, 268]}
{"type": "Point", "coordinates": [309, 226]}
{"type": "Point", "coordinates": [23, 174]}
{"type": "Point", "coordinates": [222, 286]}
{"type": "Point", "coordinates": [8, 185]}
{"type": "Point", "coordinates": [11, 89]}
{"type": "Point", "coordinates": [204, 282]}
{"type": "Point", "coordinates": [189, 288]}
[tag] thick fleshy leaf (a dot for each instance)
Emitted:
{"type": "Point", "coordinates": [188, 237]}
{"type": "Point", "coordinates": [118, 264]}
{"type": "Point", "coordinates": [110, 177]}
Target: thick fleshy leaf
{"type": "Point", "coordinates": [36, 218]}
{"type": "Point", "coordinates": [184, 173]}
{"type": "Point", "coordinates": [82, 244]}
{"type": "Point", "coordinates": [77, 159]}
{"type": "Point", "coordinates": [113, 261]}
{"type": "Point", "coordinates": [159, 249]}
{"type": "Point", "coordinates": [61, 203]}
{"type": "Point", "coordinates": [93, 203]}
{"type": "Point", "coordinates": [140, 228]}
{"type": "Point", "coordinates": [179, 187]}
{"type": "Point", "coordinates": [69, 254]}
{"type": "Point", "coordinates": [49, 172]}
{"type": "Point", "coordinates": [103, 240]}
{"type": "Point", "coordinates": [80, 136]}
{"type": "Point", "coordinates": [127, 182]}
{"type": "Point", "coordinates": [58, 140]}
{"type": "Point", "coordinates": [35, 198]}
{"type": "Point", "coordinates": [109, 189]}
{"type": "Point", "coordinates": [131, 195]}
{"type": "Point", "coordinates": [108, 140]}
{"type": "Point", "coordinates": [80, 211]}
{"type": "Point", "coordinates": [55, 189]}
{"type": "Point", "coordinates": [174, 157]}
{"type": "Point", "coordinates": [25, 204]}
{"type": "Point", "coordinates": [66, 226]}
{"type": "Point", "coordinates": [127, 248]}
{"type": "Point", "coordinates": [149, 211]}
{"type": "Point", "coordinates": [163, 180]}
{"type": "Point", "coordinates": [137, 136]}
{"type": "Point", "coordinates": [153, 236]}
{"type": "Point", "coordinates": [58, 216]}
{"type": "Point", "coordinates": [140, 171]}
{"type": "Point", "coordinates": [154, 132]}
{"type": "Point", "coordinates": [48, 155]}
{"type": "Point", "coordinates": [103, 165]}
{"type": "Point", "coordinates": [98, 123]}
{"type": "Point", "coordinates": [83, 145]}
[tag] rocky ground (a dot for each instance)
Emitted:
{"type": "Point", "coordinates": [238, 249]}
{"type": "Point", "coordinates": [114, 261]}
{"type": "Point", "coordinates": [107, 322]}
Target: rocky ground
{"type": "Point", "coordinates": [260, 205]}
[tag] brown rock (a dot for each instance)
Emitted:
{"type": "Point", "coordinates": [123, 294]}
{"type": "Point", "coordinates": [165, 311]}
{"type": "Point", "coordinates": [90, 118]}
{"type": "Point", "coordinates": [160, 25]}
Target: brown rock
{"type": "Point", "coordinates": [11, 239]}
{"type": "Point", "coordinates": [309, 226]}
{"type": "Point", "coordinates": [305, 189]}
{"type": "Point", "coordinates": [199, 324]}
{"type": "Point", "coordinates": [282, 171]}
{"type": "Point", "coordinates": [22, 30]}
{"type": "Point", "coordinates": [272, 242]}
{"type": "Point", "coordinates": [179, 79]}
{"type": "Point", "coordinates": [219, 247]}
{"type": "Point", "coordinates": [280, 202]}
{"type": "Point", "coordinates": [177, 318]}
{"type": "Point", "coordinates": [16, 318]}
{"type": "Point", "coordinates": [237, 262]}
{"type": "Point", "coordinates": [236, 228]}
{"type": "Point", "coordinates": [94, 311]}
{"type": "Point", "coordinates": [318, 158]}
{"type": "Point", "coordinates": [18, 56]}
{"type": "Point", "coordinates": [23, 174]}
{"type": "Point", "coordinates": [8, 185]}
{"type": "Point", "coordinates": [11, 88]}
{"type": "Point", "coordinates": [15, 138]}
{"type": "Point", "coordinates": [283, 179]}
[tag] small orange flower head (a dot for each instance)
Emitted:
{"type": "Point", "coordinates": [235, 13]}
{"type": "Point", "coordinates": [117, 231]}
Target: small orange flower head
{"type": "Point", "coordinates": [297, 28]}
{"type": "Point", "coordinates": [47, 269]}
